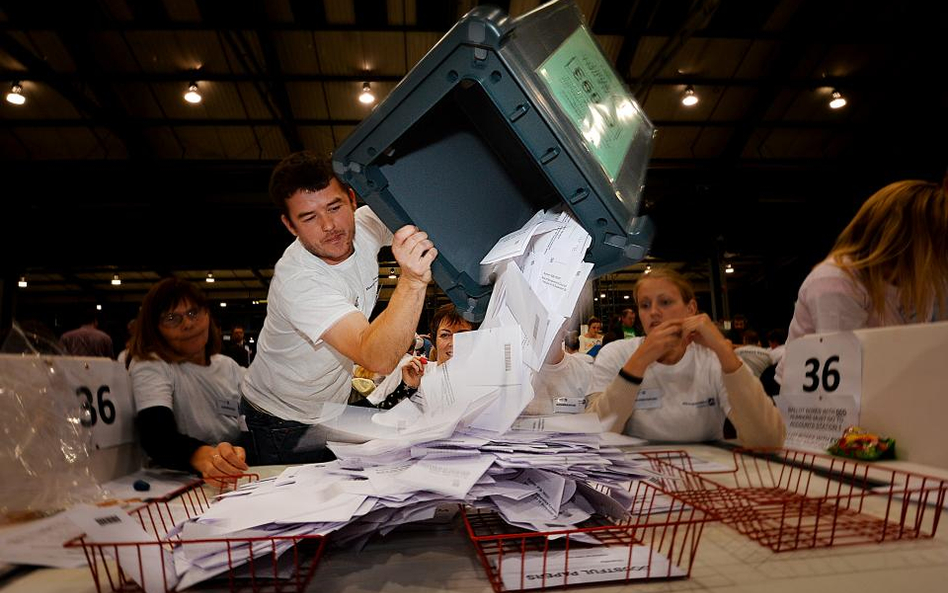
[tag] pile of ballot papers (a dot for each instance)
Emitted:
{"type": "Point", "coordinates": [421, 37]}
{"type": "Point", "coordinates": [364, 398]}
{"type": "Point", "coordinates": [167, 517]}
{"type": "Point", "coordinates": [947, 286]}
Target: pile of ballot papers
{"type": "Point", "coordinates": [465, 441]}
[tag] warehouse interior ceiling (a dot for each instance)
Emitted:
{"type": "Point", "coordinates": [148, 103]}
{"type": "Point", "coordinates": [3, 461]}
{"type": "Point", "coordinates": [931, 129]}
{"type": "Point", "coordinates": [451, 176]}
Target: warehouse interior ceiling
{"type": "Point", "coordinates": [107, 170]}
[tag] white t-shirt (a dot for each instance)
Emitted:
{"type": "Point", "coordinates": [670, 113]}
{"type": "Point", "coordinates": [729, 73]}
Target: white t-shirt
{"type": "Point", "coordinates": [756, 358]}
{"type": "Point", "coordinates": [683, 402]}
{"type": "Point", "coordinates": [204, 399]}
{"type": "Point", "coordinates": [294, 370]}
{"type": "Point", "coordinates": [567, 378]}
{"type": "Point", "coordinates": [586, 343]}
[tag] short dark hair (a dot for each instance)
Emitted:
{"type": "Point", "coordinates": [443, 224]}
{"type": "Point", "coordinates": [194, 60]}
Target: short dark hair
{"type": "Point", "coordinates": [751, 338]}
{"type": "Point", "coordinates": [446, 314]}
{"type": "Point", "coordinates": [304, 170]}
{"type": "Point", "coordinates": [777, 335]}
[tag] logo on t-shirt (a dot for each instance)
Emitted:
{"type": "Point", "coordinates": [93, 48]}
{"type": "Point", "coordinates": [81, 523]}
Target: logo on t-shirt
{"type": "Point", "coordinates": [702, 403]}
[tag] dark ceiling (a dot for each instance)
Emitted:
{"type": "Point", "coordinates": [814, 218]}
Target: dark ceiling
{"type": "Point", "coordinates": [107, 170]}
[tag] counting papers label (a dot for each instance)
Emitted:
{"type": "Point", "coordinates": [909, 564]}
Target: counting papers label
{"type": "Point", "coordinates": [585, 566]}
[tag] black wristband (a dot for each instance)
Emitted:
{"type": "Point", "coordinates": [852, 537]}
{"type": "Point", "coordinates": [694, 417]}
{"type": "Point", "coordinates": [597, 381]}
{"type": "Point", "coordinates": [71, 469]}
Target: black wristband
{"type": "Point", "coordinates": [630, 377]}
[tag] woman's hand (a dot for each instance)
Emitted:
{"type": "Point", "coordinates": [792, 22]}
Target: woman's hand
{"type": "Point", "coordinates": [659, 342]}
{"type": "Point", "coordinates": [413, 371]}
{"type": "Point", "coordinates": [701, 330]}
{"type": "Point", "coordinates": [221, 460]}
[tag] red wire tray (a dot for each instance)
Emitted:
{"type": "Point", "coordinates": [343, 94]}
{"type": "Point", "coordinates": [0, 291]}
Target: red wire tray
{"type": "Point", "coordinates": [292, 571]}
{"type": "Point", "coordinates": [650, 544]}
{"type": "Point", "coordinates": [787, 500]}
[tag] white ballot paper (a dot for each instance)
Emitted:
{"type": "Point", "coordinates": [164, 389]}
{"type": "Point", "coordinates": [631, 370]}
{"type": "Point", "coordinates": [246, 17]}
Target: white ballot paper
{"type": "Point", "coordinates": [113, 525]}
{"type": "Point", "coordinates": [586, 565]}
{"type": "Point", "coordinates": [40, 543]}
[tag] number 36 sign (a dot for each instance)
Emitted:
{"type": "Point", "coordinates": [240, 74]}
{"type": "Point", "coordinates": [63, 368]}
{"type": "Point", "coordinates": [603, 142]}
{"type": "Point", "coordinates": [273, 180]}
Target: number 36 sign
{"type": "Point", "coordinates": [100, 385]}
{"type": "Point", "coordinates": [824, 364]}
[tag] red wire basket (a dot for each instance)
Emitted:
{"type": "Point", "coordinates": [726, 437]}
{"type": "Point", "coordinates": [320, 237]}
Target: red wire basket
{"type": "Point", "coordinates": [658, 540]}
{"type": "Point", "coordinates": [252, 563]}
{"type": "Point", "coordinates": [786, 499]}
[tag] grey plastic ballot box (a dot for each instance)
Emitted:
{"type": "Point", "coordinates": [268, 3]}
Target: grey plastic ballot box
{"type": "Point", "coordinates": [501, 118]}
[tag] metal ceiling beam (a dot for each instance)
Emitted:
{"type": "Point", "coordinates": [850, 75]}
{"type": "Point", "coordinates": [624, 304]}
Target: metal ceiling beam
{"type": "Point", "coordinates": [260, 122]}
{"type": "Point", "coordinates": [843, 82]}
{"type": "Point", "coordinates": [696, 19]}
{"type": "Point", "coordinates": [278, 90]}
{"type": "Point", "coordinates": [789, 56]}
{"type": "Point", "coordinates": [909, 34]}
{"type": "Point", "coordinates": [100, 115]}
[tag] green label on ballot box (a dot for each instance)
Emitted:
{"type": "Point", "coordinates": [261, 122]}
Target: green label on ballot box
{"type": "Point", "coordinates": [588, 91]}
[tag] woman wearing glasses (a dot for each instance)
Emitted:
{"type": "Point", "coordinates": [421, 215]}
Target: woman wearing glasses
{"type": "Point", "coordinates": [186, 392]}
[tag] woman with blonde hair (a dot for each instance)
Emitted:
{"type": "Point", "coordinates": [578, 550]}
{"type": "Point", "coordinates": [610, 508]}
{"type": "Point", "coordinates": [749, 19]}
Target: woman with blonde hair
{"type": "Point", "coordinates": [682, 379]}
{"type": "Point", "coordinates": [889, 266]}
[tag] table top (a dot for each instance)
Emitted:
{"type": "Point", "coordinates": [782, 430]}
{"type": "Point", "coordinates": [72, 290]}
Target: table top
{"type": "Point", "coordinates": [441, 558]}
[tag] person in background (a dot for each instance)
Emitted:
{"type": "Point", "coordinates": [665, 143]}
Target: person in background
{"type": "Point", "coordinates": [593, 335]}
{"type": "Point", "coordinates": [237, 348]}
{"type": "Point", "coordinates": [628, 323]}
{"type": "Point", "coordinates": [571, 347]}
{"type": "Point", "coordinates": [889, 266]}
{"type": "Point", "coordinates": [738, 327]}
{"type": "Point", "coordinates": [754, 356]}
{"type": "Point", "coordinates": [185, 392]}
{"type": "Point", "coordinates": [446, 322]}
{"type": "Point", "coordinates": [122, 357]}
{"type": "Point", "coordinates": [88, 339]}
{"type": "Point", "coordinates": [615, 330]}
{"type": "Point", "coordinates": [776, 338]}
{"type": "Point", "coordinates": [323, 291]}
{"type": "Point", "coordinates": [682, 379]}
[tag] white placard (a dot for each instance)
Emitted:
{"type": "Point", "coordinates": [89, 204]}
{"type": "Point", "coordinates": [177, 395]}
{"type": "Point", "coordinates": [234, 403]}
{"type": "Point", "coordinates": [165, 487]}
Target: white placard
{"type": "Point", "coordinates": [814, 422]}
{"type": "Point", "coordinates": [824, 364]}
{"type": "Point", "coordinates": [100, 384]}
{"type": "Point", "coordinates": [534, 570]}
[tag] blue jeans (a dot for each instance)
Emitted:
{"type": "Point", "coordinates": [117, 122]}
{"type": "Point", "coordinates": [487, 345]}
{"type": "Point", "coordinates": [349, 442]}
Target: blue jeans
{"type": "Point", "coordinates": [275, 441]}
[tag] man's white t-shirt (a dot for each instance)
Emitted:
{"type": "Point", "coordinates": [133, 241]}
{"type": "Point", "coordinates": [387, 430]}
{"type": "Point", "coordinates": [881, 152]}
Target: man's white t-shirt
{"type": "Point", "coordinates": [683, 402]}
{"type": "Point", "coordinates": [295, 371]}
{"type": "Point", "coordinates": [203, 399]}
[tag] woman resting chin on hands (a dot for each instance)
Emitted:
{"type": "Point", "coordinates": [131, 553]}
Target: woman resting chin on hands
{"type": "Point", "coordinates": [680, 381]}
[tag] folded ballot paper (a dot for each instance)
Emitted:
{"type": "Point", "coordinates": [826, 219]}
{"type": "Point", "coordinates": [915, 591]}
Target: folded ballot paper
{"type": "Point", "coordinates": [463, 441]}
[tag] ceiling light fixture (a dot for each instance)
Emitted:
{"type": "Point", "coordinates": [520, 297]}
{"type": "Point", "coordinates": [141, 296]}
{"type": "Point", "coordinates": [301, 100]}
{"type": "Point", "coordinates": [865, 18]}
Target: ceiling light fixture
{"type": "Point", "coordinates": [625, 296]}
{"type": "Point", "coordinates": [193, 96]}
{"type": "Point", "coordinates": [116, 280]}
{"type": "Point", "coordinates": [729, 269]}
{"type": "Point", "coordinates": [648, 269]}
{"type": "Point", "coordinates": [838, 100]}
{"type": "Point", "coordinates": [689, 99]}
{"type": "Point", "coordinates": [366, 97]}
{"type": "Point", "coordinates": [15, 95]}
{"type": "Point", "coordinates": [602, 295]}
{"type": "Point", "coordinates": [210, 278]}
{"type": "Point", "coordinates": [98, 307]}
{"type": "Point", "coordinates": [223, 304]}
{"type": "Point", "coordinates": [22, 283]}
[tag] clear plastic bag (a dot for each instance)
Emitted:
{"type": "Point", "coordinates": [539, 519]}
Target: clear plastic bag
{"type": "Point", "coordinates": [44, 446]}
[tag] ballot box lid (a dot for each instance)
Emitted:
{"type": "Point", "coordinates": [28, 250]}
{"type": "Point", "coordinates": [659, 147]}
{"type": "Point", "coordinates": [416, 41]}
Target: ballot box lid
{"type": "Point", "coordinates": [501, 118]}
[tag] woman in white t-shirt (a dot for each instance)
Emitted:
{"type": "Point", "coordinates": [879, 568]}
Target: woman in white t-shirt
{"type": "Point", "coordinates": [680, 381]}
{"type": "Point", "coordinates": [889, 266]}
{"type": "Point", "coordinates": [593, 335]}
{"type": "Point", "coordinates": [186, 393]}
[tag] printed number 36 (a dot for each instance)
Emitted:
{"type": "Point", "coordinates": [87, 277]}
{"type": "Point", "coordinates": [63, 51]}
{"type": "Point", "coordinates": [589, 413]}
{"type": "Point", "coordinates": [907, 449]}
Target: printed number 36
{"type": "Point", "coordinates": [829, 377]}
{"type": "Point", "coordinates": [105, 407]}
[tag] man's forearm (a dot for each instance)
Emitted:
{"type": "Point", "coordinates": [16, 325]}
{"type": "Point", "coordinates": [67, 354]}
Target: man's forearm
{"type": "Point", "coordinates": [389, 336]}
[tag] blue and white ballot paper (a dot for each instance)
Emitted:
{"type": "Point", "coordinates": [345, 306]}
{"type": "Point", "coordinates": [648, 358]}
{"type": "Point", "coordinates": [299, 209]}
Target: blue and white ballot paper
{"type": "Point", "coordinates": [464, 440]}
